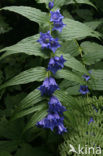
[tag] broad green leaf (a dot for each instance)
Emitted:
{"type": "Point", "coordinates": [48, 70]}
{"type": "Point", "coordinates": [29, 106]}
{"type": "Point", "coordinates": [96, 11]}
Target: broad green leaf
{"type": "Point", "coordinates": [68, 75]}
{"type": "Point", "coordinates": [31, 99]}
{"type": "Point", "coordinates": [80, 2]}
{"type": "Point", "coordinates": [96, 84]}
{"type": "Point", "coordinates": [71, 47]}
{"type": "Point", "coordinates": [94, 24]}
{"type": "Point", "coordinates": [64, 98]}
{"type": "Point", "coordinates": [28, 46]}
{"type": "Point", "coordinates": [93, 52]}
{"type": "Point", "coordinates": [97, 80]}
{"type": "Point", "coordinates": [29, 111]}
{"type": "Point", "coordinates": [30, 75]}
{"type": "Point", "coordinates": [73, 63]}
{"type": "Point", "coordinates": [35, 118]}
{"type": "Point", "coordinates": [32, 14]}
{"type": "Point", "coordinates": [77, 30]}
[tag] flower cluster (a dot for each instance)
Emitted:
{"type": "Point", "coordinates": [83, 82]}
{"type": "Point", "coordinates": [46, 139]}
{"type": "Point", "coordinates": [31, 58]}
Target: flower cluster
{"type": "Point", "coordinates": [54, 119]}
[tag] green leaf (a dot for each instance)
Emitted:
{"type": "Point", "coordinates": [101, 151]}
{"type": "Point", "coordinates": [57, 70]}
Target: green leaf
{"type": "Point", "coordinates": [93, 52]}
{"type": "Point", "coordinates": [77, 30]}
{"type": "Point", "coordinates": [96, 80]}
{"type": "Point", "coordinates": [94, 24]}
{"type": "Point", "coordinates": [80, 2]}
{"type": "Point", "coordinates": [35, 118]}
{"type": "Point", "coordinates": [32, 14]}
{"type": "Point", "coordinates": [31, 99]}
{"type": "Point", "coordinates": [73, 63]}
{"type": "Point", "coordinates": [68, 75]}
{"type": "Point", "coordinates": [71, 47]}
{"type": "Point", "coordinates": [29, 111]}
{"type": "Point", "coordinates": [28, 46]}
{"type": "Point", "coordinates": [30, 75]}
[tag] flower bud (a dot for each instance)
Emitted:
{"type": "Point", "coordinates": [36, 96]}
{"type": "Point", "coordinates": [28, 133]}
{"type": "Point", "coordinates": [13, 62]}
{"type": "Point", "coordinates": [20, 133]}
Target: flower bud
{"type": "Point", "coordinates": [51, 5]}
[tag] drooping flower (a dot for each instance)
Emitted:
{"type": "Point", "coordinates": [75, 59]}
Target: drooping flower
{"type": "Point", "coordinates": [56, 16]}
{"type": "Point", "coordinates": [91, 120]}
{"type": "Point", "coordinates": [48, 87]}
{"type": "Point", "coordinates": [52, 121]}
{"type": "Point", "coordinates": [61, 129]}
{"type": "Point", "coordinates": [84, 89]}
{"type": "Point", "coordinates": [51, 4]}
{"type": "Point", "coordinates": [55, 106]}
{"type": "Point", "coordinates": [45, 39]}
{"type": "Point", "coordinates": [86, 77]}
{"type": "Point", "coordinates": [56, 64]}
{"type": "Point", "coordinates": [54, 44]}
{"type": "Point", "coordinates": [58, 25]}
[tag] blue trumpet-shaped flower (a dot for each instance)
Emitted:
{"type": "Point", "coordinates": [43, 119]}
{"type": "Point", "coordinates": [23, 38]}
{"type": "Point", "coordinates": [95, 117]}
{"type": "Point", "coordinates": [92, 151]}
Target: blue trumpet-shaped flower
{"type": "Point", "coordinates": [86, 77]}
{"type": "Point", "coordinates": [56, 16]}
{"type": "Point", "coordinates": [54, 44]}
{"type": "Point", "coordinates": [61, 129]}
{"type": "Point", "coordinates": [48, 87]}
{"type": "Point", "coordinates": [55, 106]}
{"type": "Point", "coordinates": [52, 121]}
{"type": "Point", "coordinates": [58, 25]}
{"type": "Point", "coordinates": [45, 39]}
{"type": "Point", "coordinates": [56, 64]}
{"type": "Point", "coordinates": [84, 89]}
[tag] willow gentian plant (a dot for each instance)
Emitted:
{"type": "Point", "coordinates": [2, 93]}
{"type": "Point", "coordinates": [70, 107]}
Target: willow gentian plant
{"type": "Point", "coordinates": [54, 119]}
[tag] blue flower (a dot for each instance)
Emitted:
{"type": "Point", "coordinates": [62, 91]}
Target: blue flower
{"type": "Point", "coordinates": [52, 121]}
{"type": "Point", "coordinates": [51, 5]}
{"type": "Point", "coordinates": [48, 87]}
{"type": "Point", "coordinates": [84, 89]}
{"type": "Point", "coordinates": [54, 44]}
{"type": "Point", "coordinates": [86, 77]}
{"type": "Point", "coordinates": [56, 64]}
{"type": "Point", "coordinates": [56, 16]}
{"type": "Point", "coordinates": [61, 129]}
{"type": "Point", "coordinates": [91, 120]}
{"type": "Point", "coordinates": [58, 25]}
{"type": "Point", "coordinates": [45, 39]}
{"type": "Point", "coordinates": [55, 106]}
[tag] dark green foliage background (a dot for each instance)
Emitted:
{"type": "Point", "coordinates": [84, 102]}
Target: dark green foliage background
{"type": "Point", "coordinates": [14, 139]}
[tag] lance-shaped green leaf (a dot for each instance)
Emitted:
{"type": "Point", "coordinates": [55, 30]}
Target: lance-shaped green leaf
{"type": "Point", "coordinates": [69, 75]}
{"type": "Point", "coordinates": [76, 30]}
{"type": "Point", "coordinates": [67, 2]}
{"type": "Point", "coordinates": [35, 118]}
{"type": "Point", "coordinates": [29, 111]}
{"type": "Point", "coordinates": [73, 63]}
{"type": "Point", "coordinates": [93, 52]}
{"type": "Point", "coordinates": [30, 75]}
{"type": "Point", "coordinates": [31, 99]}
{"type": "Point", "coordinates": [32, 14]}
{"type": "Point", "coordinates": [28, 46]}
